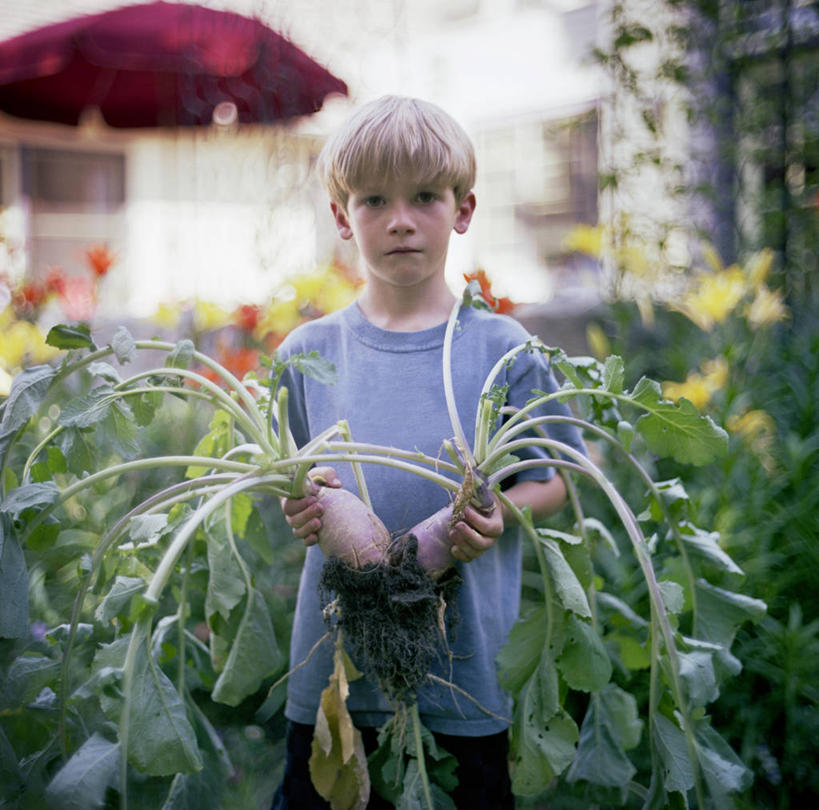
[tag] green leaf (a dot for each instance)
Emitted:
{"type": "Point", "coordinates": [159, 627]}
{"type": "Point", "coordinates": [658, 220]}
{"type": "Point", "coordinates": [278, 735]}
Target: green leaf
{"type": "Point", "coordinates": [670, 743]}
{"type": "Point", "coordinates": [706, 546]}
{"type": "Point", "coordinates": [313, 365]}
{"type": "Point", "coordinates": [672, 594]}
{"type": "Point", "coordinates": [161, 740]}
{"type": "Point", "coordinates": [13, 584]}
{"type": "Point", "coordinates": [29, 496]}
{"type": "Point", "coordinates": [226, 584]}
{"type": "Point", "coordinates": [677, 431]}
{"type": "Point", "coordinates": [123, 345]}
{"type": "Point", "coordinates": [724, 771]}
{"type": "Point", "coordinates": [253, 655]}
{"type": "Point", "coordinates": [721, 612]}
{"type": "Point", "coordinates": [215, 443]}
{"type": "Point", "coordinates": [75, 336]}
{"type": "Point", "coordinates": [610, 726]}
{"type": "Point", "coordinates": [146, 530]}
{"type": "Point", "coordinates": [88, 410]}
{"type": "Point", "coordinates": [518, 658]}
{"type": "Point", "coordinates": [182, 354]}
{"type": "Point", "coordinates": [698, 676]}
{"type": "Point", "coordinates": [118, 598]}
{"type": "Point", "coordinates": [567, 586]}
{"type": "Point", "coordinates": [583, 661]}
{"type": "Point", "coordinates": [613, 374]}
{"type": "Point", "coordinates": [25, 678]}
{"type": "Point", "coordinates": [104, 371]}
{"type": "Point", "coordinates": [79, 449]}
{"type": "Point", "coordinates": [81, 783]}
{"type": "Point", "coordinates": [28, 390]}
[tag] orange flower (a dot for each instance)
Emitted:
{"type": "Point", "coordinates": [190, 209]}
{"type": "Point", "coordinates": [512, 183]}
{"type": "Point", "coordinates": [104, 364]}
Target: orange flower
{"type": "Point", "coordinates": [55, 280]}
{"type": "Point", "coordinates": [501, 305]}
{"type": "Point", "coordinates": [99, 259]}
{"type": "Point", "coordinates": [29, 296]}
{"type": "Point", "coordinates": [237, 361]}
{"type": "Point", "coordinates": [78, 298]}
{"type": "Point", "coordinates": [247, 316]}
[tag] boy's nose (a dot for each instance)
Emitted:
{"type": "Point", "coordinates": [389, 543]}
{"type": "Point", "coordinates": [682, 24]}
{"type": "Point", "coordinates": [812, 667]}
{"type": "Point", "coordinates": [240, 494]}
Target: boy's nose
{"type": "Point", "coordinates": [401, 220]}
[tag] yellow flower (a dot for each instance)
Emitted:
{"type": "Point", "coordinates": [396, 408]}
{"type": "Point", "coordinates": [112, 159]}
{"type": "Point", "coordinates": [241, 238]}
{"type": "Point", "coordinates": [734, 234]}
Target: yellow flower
{"type": "Point", "coordinates": [695, 389]}
{"type": "Point", "coordinates": [597, 341]}
{"type": "Point", "coordinates": [712, 258]}
{"type": "Point", "coordinates": [767, 307]}
{"type": "Point", "coordinates": [716, 372]}
{"type": "Point", "coordinates": [586, 239]}
{"type": "Point", "coordinates": [336, 292]}
{"type": "Point", "coordinates": [758, 267]}
{"type": "Point", "coordinates": [5, 382]}
{"type": "Point", "coordinates": [280, 317]}
{"type": "Point", "coordinates": [758, 429]}
{"type": "Point", "coordinates": [166, 315]}
{"type": "Point", "coordinates": [22, 343]}
{"type": "Point", "coordinates": [698, 387]}
{"type": "Point", "coordinates": [308, 287]}
{"type": "Point", "coordinates": [208, 316]}
{"type": "Point", "coordinates": [714, 297]}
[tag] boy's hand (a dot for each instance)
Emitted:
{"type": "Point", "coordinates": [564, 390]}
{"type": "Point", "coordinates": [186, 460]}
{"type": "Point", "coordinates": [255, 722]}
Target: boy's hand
{"type": "Point", "coordinates": [303, 515]}
{"type": "Point", "coordinates": [476, 533]}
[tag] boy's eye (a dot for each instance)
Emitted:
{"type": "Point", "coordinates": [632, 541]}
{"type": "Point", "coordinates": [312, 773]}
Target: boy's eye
{"type": "Point", "coordinates": [426, 196]}
{"type": "Point", "coordinates": [374, 201]}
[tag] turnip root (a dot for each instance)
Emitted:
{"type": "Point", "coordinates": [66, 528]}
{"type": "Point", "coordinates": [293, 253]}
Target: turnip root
{"type": "Point", "coordinates": [434, 545]}
{"type": "Point", "coordinates": [349, 530]}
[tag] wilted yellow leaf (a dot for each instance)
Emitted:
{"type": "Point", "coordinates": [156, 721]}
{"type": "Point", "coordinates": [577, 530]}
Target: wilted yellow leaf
{"type": "Point", "coordinates": [338, 763]}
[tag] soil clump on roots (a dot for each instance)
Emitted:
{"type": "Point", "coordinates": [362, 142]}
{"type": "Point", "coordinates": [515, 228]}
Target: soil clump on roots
{"type": "Point", "coordinates": [392, 616]}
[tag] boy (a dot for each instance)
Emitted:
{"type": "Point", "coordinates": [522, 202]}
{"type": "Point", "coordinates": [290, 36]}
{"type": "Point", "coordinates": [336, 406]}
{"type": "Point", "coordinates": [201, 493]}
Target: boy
{"type": "Point", "coordinates": [399, 176]}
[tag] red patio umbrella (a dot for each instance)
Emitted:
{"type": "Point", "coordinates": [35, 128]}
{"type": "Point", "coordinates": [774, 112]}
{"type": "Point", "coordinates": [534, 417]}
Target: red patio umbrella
{"type": "Point", "coordinates": [159, 64]}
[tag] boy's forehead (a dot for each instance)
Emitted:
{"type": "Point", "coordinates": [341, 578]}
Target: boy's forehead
{"type": "Point", "coordinates": [379, 181]}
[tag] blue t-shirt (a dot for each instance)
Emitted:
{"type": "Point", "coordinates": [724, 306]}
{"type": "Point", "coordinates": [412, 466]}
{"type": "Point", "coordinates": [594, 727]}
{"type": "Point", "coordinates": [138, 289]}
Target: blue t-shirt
{"type": "Point", "coordinates": [390, 390]}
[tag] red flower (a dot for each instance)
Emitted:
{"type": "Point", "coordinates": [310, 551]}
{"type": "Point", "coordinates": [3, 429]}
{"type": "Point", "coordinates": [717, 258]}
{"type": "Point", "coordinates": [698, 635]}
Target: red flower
{"type": "Point", "coordinates": [55, 280]}
{"type": "Point", "coordinates": [237, 361]}
{"type": "Point", "coordinates": [99, 259]}
{"type": "Point", "coordinates": [502, 305]}
{"type": "Point", "coordinates": [247, 316]}
{"type": "Point", "coordinates": [78, 298]}
{"type": "Point", "coordinates": [28, 297]}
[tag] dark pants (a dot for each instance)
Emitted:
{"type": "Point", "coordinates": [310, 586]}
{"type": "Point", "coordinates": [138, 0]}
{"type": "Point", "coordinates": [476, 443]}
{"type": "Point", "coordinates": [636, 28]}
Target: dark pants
{"type": "Point", "coordinates": [483, 776]}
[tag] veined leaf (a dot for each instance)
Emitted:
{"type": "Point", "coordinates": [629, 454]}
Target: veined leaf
{"type": "Point", "coordinates": [583, 661]}
{"type": "Point", "coordinates": [721, 612]}
{"type": "Point", "coordinates": [118, 597]}
{"type": "Point", "coordinates": [670, 743]}
{"type": "Point", "coordinates": [226, 585]}
{"type": "Point", "coordinates": [13, 584]}
{"type": "Point", "coordinates": [161, 740]}
{"type": "Point", "coordinates": [677, 430]}
{"type": "Point", "coordinates": [29, 496]}
{"type": "Point", "coordinates": [25, 678]}
{"type": "Point", "coordinates": [28, 390]}
{"type": "Point", "coordinates": [81, 783]}
{"type": "Point", "coordinates": [706, 545]}
{"type": "Point", "coordinates": [610, 726]}
{"type": "Point", "coordinates": [698, 676]}
{"type": "Point", "coordinates": [123, 345]}
{"type": "Point", "coordinates": [313, 365]}
{"type": "Point", "coordinates": [74, 336]}
{"type": "Point", "coordinates": [253, 655]}
{"type": "Point", "coordinates": [182, 354]}
{"type": "Point", "coordinates": [724, 771]}
{"type": "Point", "coordinates": [613, 374]}
{"type": "Point", "coordinates": [569, 590]}
{"type": "Point", "coordinates": [215, 443]}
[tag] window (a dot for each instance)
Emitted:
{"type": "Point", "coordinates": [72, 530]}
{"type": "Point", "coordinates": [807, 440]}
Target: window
{"type": "Point", "coordinates": [74, 199]}
{"type": "Point", "coordinates": [538, 179]}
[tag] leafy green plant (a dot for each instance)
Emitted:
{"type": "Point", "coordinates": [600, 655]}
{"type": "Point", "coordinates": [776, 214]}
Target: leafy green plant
{"type": "Point", "coordinates": [168, 610]}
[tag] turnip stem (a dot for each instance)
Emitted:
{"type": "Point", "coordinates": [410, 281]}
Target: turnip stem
{"type": "Point", "coordinates": [358, 472]}
{"type": "Point", "coordinates": [419, 753]}
{"type": "Point", "coordinates": [449, 391]}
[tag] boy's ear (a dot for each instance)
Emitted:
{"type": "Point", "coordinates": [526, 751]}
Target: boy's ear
{"type": "Point", "coordinates": [342, 222]}
{"type": "Point", "coordinates": [463, 216]}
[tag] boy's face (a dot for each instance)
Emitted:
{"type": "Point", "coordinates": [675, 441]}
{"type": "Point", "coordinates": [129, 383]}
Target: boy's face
{"type": "Point", "coordinates": [402, 228]}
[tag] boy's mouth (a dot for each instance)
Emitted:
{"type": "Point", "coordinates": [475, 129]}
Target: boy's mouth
{"type": "Point", "coordinates": [402, 250]}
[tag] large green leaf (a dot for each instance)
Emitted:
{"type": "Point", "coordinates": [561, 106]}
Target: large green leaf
{"type": "Point", "coordinates": [161, 740]}
{"type": "Point", "coordinates": [28, 390]}
{"type": "Point", "coordinates": [611, 726]}
{"type": "Point", "coordinates": [518, 658]}
{"type": "Point", "coordinates": [583, 661]}
{"type": "Point", "coordinates": [567, 586]}
{"type": "Point", "coordinates": [81, 783]}
{"type": "Point", "coordinates": [226, 584]}
{"type": "Point", "coordinates": [543, 734]}
{"type": "Point", "coordinates": [672, 747]}
{"type": "Point", "coordinates": [118, 597]}
{"type": "Point", "coordinates": [13, 584]}
{"type": "Point", "coordinates": [678, 431]}
{"type": "Point", "coordinates": [253, 655]}
{"type": "Point", "coordinates": [70, 336]}
{"type": "Point", "coordinates": [25, 677]}
{"type": "Point", "coordinates": [724, 771]}
{"type": "Point", "coordinates": [29, 496]}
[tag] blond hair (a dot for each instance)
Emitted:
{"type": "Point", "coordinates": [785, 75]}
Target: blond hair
{"type": "Point", "coordinates": [394, 135]}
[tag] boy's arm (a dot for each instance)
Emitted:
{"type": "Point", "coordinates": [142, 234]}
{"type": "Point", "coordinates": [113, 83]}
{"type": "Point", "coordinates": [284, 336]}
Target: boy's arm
{"type": "Point", "coordinates": [477, 532]}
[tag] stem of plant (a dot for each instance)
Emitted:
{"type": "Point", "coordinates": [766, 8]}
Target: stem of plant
{"type": "Point", "coordinates": [420, 757]}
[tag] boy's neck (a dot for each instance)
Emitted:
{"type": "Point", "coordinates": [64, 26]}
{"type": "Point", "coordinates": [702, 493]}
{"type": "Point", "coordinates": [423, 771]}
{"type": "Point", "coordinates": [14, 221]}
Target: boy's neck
{"type": "Point", "coordinates": [406, 310]}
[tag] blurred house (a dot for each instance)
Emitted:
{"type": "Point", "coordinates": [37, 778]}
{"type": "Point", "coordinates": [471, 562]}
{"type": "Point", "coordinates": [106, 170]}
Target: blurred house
{"type": "Point", "coordinates": [225, 213]}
